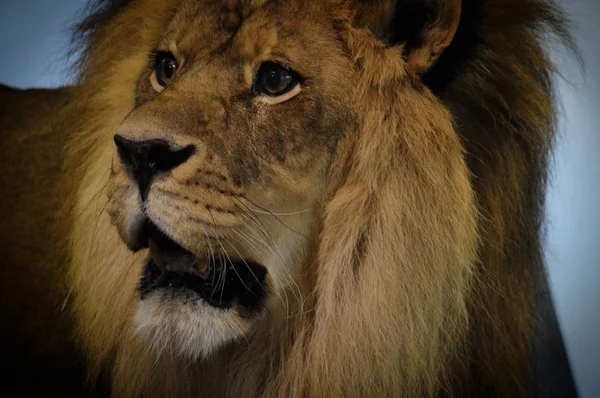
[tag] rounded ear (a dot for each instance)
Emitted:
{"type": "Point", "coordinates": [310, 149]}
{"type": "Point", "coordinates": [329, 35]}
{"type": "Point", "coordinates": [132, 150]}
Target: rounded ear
{"type": "Point", "coordinates": [424, 27]}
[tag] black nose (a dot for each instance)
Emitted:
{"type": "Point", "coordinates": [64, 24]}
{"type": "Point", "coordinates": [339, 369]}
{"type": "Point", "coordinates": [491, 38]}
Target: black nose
{"type": "Point", "coordinates": [145, 159]}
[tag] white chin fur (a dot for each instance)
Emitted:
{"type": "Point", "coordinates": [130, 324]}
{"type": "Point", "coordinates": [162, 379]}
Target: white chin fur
{"type": "Point", "coordinates": [185, 327]}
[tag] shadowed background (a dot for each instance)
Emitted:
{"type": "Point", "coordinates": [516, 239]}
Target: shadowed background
{"type": "Point", "coordinates": [34, 41]}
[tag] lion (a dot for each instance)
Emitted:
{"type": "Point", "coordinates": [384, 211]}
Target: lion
{"type": "Point", "coordinates": [285, 199]}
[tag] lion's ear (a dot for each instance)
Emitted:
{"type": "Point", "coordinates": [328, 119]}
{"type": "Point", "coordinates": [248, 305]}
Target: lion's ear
{"type": "Point", "coordinates": [424, 27]}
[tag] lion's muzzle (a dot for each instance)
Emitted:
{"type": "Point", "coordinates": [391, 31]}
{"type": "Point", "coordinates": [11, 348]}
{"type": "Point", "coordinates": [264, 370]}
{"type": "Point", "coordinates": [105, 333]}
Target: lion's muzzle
{"type": "Point", "coordinates": [219, 280]}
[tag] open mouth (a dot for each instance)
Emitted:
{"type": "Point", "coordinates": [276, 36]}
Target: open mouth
{"type": "Point", "coordinates": [220, 281]}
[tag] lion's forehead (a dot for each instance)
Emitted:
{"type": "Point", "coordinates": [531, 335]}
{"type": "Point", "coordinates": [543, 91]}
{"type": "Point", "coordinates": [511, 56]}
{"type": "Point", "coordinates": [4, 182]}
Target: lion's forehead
{"type": "Point", "coordinates": [252, 27]}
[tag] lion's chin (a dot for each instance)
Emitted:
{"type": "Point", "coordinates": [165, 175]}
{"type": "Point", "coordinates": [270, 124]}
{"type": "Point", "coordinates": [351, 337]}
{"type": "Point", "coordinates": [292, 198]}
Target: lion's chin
{"type": "Point", "coordinates": [178, 323]}
{"type": "Point", "coordinates": [190, 305]}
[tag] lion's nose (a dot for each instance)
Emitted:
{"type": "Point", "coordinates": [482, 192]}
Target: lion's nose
{"type": "Point", "coordinates": [145, 159]}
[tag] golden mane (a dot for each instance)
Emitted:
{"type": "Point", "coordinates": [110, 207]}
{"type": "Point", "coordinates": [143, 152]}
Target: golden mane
{"type": "Point", "coordinates": [454, 204]}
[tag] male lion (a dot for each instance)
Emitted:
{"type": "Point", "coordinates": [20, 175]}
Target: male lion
{"type": "Point", "coordinates": [291, 198]}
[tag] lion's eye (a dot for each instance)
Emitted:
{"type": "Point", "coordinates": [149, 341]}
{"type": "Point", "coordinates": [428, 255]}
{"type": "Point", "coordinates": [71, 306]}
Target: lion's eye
{"type": "Point", "coordinates": [275, 80]}
{"type": "Point", "coordinates": [164, 72]}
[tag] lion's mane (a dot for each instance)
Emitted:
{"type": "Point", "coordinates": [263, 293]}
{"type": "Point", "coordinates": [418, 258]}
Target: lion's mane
{"type": "Point", "coordinates": [454, 315]}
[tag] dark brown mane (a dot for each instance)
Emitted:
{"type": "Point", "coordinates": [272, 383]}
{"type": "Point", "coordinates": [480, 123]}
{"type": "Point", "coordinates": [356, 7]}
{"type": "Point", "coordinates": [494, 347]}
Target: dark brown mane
{"type": "Point", "coordinates": [98, 14]}
{"type": "Point", "coordinates": [496, 78]}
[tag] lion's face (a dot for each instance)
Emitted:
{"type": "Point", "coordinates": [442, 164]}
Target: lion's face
{"type": "Point", "coordinates": [221, 167]}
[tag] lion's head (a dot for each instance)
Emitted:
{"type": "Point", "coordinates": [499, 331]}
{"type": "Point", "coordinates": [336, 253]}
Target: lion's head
{"type": "Point", "coordinates": [273, 199]}
{"type": "Point", "coordinates": [226, 158]}
{"type": "Point", "coordinates": [248, 128]}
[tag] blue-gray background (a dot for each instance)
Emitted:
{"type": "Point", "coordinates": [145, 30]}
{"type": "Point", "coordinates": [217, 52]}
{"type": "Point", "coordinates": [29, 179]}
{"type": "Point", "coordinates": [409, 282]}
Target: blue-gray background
{"type": "Point", "coordinates": [34, 36]}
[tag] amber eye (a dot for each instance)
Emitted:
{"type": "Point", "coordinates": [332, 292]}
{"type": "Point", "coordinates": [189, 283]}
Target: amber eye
{"type": "Point", "coordinates": [164, 72]}
{"type": "Point", "coordinates": [275, 80]}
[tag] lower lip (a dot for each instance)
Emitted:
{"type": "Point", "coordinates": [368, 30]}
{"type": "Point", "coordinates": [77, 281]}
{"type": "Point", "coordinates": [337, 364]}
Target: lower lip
{"type": "Point", "coordinates": [240, 284]}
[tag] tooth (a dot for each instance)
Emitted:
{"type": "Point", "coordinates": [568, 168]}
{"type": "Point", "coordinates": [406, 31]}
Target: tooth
{"type": "Point", "coordinates": [157, 255]}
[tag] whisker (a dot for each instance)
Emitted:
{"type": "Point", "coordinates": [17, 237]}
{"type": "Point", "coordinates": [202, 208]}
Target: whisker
{"type": "Point", "coordinates": [271, 213]}
{"type": "Point", "coordinates": [255, 235]}
{"type": "Point", "coordinates": [270, 242]}
{"type": "Point", "coordinates": [94, 197]}
{"type": "Point", "coordinates": [218, 282]}
{"type": "Point", "coordinates": [224, 277]}
{"type": "Point", "coordinates": [284, 298]}
{"type": "Point", "coordinates": [224, 265]}
{"type": "Point", "coordinates": [232, 264]}
{"type": "Point", "coordinates": [98, 215]}
{"type": "Point", "coordinates": [212, 254]}
{"type": "Point", "coordinates": [249, 268]}
{"type": "Point", "coordinates": [262, 250]}
{"type": "Point", "coordinates": [279, 214]}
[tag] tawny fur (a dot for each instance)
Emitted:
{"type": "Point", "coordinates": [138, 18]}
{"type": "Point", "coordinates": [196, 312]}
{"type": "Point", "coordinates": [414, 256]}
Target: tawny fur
{"type": "Point", "coordinates": [417, 276]}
